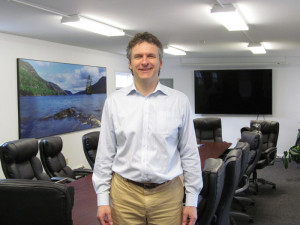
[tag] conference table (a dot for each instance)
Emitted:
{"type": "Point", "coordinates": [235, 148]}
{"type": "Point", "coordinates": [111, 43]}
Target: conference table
{"type": "Point", "coordinates": [211, 150]}
{"type": "Point", "coordinates": [85, 200]}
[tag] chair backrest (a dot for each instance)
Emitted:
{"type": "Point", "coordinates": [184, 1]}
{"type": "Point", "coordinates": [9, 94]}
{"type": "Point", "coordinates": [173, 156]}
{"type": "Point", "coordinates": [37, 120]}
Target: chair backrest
{"type": "Point", "coordinates": [270, 132]}
{"type": "Point", "coordinates": [208, 129]}
{"type": "Point", "coordinates": [90, 146]}
{"type": "Point", "coordinates": [232, 174]}
{"type": "Point", "coordinates": [244, 147]}
{"type": "Point", "coordinates": [32, 202]}
{"type": "Point", "coordinates": [254, 138]}
{"type": "Point", "coordinates": [52, 159]}
{"type": "Point", "coordinates": [213, 175]}
{"type": "Point", "coordinates": [19, 160]}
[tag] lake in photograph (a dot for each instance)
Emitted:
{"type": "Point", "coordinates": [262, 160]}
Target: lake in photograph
{"type": "Point", "coordinates": [42, 116]}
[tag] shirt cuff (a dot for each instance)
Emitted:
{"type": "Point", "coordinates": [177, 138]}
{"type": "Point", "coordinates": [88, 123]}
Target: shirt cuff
{"type": "Point", "coordinates": [191, 200]}
{"type": "Point", "coordinates": [103, 199]}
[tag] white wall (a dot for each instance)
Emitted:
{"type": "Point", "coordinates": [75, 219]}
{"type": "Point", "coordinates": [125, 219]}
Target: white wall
{"type": "Point", "coordinates": [13, 47]}
{"type": "Point", "coordinates": [286, 103]}
{"type": "Point", "coordinates": [286, 106]}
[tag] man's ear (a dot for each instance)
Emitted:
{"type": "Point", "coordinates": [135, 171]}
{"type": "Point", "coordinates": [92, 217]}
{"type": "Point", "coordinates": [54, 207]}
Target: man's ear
{"type": "Point", "coordinates": [130, 66]}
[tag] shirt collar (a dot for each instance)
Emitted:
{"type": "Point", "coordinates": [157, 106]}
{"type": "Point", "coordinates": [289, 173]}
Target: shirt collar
{"type": "Point", "coordinates": [160, 89]}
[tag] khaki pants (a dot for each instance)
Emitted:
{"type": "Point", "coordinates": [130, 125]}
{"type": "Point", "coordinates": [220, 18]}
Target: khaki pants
{"type": "Point", "coordinates": [134, 205]}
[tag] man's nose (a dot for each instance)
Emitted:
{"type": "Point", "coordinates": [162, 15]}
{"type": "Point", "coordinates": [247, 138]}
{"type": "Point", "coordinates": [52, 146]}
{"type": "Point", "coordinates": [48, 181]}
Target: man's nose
{"type": "Point", "coordinates": [145, 60]}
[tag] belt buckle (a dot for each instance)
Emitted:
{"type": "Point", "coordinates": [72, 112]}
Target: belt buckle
{"type": "Point", "coordinates": [150, 185]}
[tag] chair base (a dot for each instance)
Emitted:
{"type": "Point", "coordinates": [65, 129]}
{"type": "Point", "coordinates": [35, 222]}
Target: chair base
{"type": "Point", "coordinates": [263, 181]}
{"type": "Point", "coordinates": [256, 180]}
{"type": "Point", "coordinates": [234, 215]}
{"type": "Point", "coordinates": [239, 200]}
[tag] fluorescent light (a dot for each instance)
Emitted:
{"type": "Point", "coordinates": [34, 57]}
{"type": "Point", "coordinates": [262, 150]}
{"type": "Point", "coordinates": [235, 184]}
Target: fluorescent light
{"type": "Point", "coordinates": [229, 17]}
{"type": "Point", "coordinates": [174, 51]}
{"type": "Point", "coordinates": [256, 48]}
{"type": "Point", "coordinates": [91, 25]}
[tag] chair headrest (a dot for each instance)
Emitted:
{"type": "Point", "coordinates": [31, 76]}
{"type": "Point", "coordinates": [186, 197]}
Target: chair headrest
{"type": "Point", "coordinates": [252, 138]}
{"type": "Point", "coordinates": [91, 140]}
{"type": "Point", "coordinates": [31, 201]}
{"type": "Point", "coordinates": [255, 126]}
{"type": "Point", "coordinates": [208, 122]}
{"type": "Point", "coordinates": [212, 165]}
{"type": "Point", "coordinates": [267, 126]}
{"type": "Point", "coordinates": [20, 150]}
{"type": "Point", "coordinates": [52, 146]}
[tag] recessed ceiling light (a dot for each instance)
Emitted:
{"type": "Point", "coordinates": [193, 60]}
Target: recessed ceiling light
{"type": "Point", "coordinates": [228, 15]}
{"type": "Point", "coordinates": [256, 48]}
{"type": "Point", "coordinates": [174, 51]}
{"type": "Point", "coordinates": [91, 25]}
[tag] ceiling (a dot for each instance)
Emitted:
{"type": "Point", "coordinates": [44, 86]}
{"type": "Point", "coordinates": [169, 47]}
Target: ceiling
{"type": "Point", "coordinates": [186, 24]}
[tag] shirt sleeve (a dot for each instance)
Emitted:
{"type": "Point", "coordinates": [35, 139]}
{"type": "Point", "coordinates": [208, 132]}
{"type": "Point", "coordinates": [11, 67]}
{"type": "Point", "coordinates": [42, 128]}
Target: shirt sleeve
{"type": "Point", "coordinates": [106, 151]}
{"type": "Point", "coordinates": [190, 159]}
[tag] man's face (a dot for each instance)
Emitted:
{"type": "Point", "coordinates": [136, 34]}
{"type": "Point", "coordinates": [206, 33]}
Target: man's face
{"type": "Point", "coordinates": [145, 63]}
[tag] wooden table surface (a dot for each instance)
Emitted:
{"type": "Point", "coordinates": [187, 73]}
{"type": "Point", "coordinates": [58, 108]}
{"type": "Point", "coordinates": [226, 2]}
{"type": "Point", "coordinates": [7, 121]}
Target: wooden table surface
{"type": "Point", "coordinates": [212, 150]}
{"type": "Point", "coordinates": [85, 199]}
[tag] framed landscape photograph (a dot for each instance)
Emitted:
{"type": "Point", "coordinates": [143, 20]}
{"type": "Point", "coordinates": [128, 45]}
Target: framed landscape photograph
{"type": "Point", "coordinates": [56, 98]}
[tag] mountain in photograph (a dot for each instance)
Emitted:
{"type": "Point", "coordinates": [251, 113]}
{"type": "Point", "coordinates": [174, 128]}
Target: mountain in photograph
{"type": "Point", "coordinates": [31, 84]}
{"type": "Point", "coordinates": [68, 92]}
{"type": "Point", "coordinates": [97, 88]}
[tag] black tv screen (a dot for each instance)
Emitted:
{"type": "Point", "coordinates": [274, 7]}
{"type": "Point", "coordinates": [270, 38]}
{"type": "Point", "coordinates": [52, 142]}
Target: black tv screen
{"type": "Point", "coordinates": [233, 91]}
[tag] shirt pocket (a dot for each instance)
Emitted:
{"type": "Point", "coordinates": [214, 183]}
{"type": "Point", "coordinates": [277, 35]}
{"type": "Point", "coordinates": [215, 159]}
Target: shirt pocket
{"type": "Point", "coordinates": [168, 123]}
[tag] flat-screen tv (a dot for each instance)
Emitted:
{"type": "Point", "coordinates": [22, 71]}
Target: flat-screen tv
{"type": "Point", "coordinates": [233, 91]}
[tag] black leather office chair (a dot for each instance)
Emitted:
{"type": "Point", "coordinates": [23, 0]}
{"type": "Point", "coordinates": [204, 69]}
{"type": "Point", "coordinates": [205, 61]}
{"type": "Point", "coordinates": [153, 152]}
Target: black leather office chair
{"type": "Point", "coordinates": [243, 182]}
{"type": "Point", "coordinates": [19, 161]}
{"type": "Point", "coordinates": [270, 133]}
{"type": "Point", "coordinates": [254, 139]}
{"type": "Point", "coordinates": [90, 146]}
{"type": "Point", "coordinates": [213, 175]}
{"type": "Point", "coordinates": [35, 202]}
{"type": "Point", "coordinates": [54, 161]}
{"type": "Point", "coordinates": [208, 129]}
{"type": "Point", "coordinates": [232, 174]}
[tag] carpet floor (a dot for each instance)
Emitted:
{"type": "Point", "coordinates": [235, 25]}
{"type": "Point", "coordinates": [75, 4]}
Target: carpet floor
{"type": "Point", "coordinates": [280, 206]}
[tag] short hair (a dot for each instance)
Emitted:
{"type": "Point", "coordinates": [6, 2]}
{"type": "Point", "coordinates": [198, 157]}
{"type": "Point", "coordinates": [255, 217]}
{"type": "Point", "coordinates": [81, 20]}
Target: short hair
{"type": "Point", "coordinates": [144, 37]}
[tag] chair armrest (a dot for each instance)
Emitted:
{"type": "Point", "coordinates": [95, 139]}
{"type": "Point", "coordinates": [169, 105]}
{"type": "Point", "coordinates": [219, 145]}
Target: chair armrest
{"type": "Point", "coordinates": [83, 171]}
{"type": "Point", "coordinates": [270, 155]}
{"type": "Point", "coordinates": [62, 180]}
{"type": "Point", "coordinates": [270, 150]}
{"type": "Point", "coordinates": [245, 182]}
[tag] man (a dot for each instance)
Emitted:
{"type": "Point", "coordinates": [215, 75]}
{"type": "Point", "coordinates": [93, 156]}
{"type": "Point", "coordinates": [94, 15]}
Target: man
{"type": "Point", "coordinates": [147, 141]}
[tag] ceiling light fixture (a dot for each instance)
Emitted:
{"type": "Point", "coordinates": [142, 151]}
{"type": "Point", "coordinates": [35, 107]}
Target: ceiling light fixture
{"type": "Point", "coordinates": [228, 15]}
{"type": "Point", "coordinates": [174, 51]}
{"type": "Point", "coordinates": [91, 25]}
{"type": "Point", "coordinates": [257, 48]}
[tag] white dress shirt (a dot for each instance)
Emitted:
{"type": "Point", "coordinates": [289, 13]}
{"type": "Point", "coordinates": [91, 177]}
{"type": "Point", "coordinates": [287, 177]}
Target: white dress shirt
{"type": "Point", "coordinates": [147, 139]}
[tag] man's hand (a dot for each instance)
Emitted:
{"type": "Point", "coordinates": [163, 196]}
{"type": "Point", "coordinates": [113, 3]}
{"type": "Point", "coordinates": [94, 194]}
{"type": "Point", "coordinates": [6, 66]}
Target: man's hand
{"type": "Point", "coordinates": [104, 215]}
{"type": "Point", "coordinates": [189, 215]}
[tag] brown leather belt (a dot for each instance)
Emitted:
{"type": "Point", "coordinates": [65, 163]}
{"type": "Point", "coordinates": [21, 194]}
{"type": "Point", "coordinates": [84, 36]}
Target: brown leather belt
{"type": "Point", "coordinates": [145, 185]}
